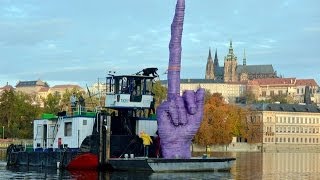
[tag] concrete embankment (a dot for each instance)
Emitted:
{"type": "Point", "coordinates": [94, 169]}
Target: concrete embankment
{"type": "Point", "coordinates": [232, 147]}
{"type": "Point", "coordinates": [293, 148]}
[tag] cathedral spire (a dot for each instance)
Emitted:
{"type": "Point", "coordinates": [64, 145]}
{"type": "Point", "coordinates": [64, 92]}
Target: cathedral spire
{"type": "Point", "coordinates": [216, 61]}
{"type": "Point", "coordinates": [230, 48]}
{"type": "Point", "coordinates": [209, 67]}
{"type": "Point", "coordinates": [244, 57]}
{"type": "Point", "coordinates": [209, 56]}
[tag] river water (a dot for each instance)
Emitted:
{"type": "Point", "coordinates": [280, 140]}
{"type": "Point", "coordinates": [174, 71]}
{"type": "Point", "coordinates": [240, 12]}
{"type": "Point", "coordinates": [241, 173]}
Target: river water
{"type": "Point", "coordinates": [247, 166]}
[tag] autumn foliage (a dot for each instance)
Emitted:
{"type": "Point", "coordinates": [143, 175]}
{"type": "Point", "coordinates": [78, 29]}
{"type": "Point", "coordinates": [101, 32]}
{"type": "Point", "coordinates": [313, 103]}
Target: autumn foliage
{"type": "Point", "coordinates": [221, 122]}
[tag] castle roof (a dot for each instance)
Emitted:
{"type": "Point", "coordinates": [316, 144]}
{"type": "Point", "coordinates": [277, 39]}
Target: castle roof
{"type": "Point", "coordinates": [31, 83]}
{"type": "Point", "coordinates": [286, 107]}
{"type": "Point", "coordinates": [256, 69]}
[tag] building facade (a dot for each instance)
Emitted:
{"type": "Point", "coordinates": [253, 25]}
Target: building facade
{"type": "Point", "coordinates": [289, 124]}
{"type": "Point", "coordinates": [230, 91]}
{"type": "Point", "coordinates": [233, 72]}
{"type": "Point", "coordinates": [299, 90]}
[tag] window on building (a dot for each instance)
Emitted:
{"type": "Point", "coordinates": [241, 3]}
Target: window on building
{"type": "Point", "coordinates": [297, 139]}
{"type": "Point", "coordinates": [293, 140]}
{"type": "Point", "coordinates": [284, 129]}
{"type": "Point", "coordinates": [317, 140]}
{"type": "Point", "coordinates": [264, 94]}
{"type": "Point", "coordinates": [288, 139]}
{"type": "Point", "coordinates": [309, 140]}
{"type": "Point", "coordinates": [271, 93]}
{"type": "Point", "coordinates": [293, 120]}
{"type": "Point", "coordinates": [285, 120]}
{"type": "Point", "coordinates": [284, 139]}
{"type": "Point", "coordinates": [277, 119]}
{"type": "Point", "coordinates": [297, 91]}
{"type": "Point", "coordinates": [280, 92]}
{"type": "Point", "coordinates": [68, 129]}
{"type": "Point", "coordinates": [280, 139]}
{"type": "Point", "coordinates": [276, 129]}
{"type": "Point", "coordinates": [276, 139]}
{"type": "Point", "coordinates": [289, 120]}
{"type": "Point", "coordinates": [305, 140]}
{"type": "Point", "coordinates": [297, 130]}
{"type": "Point", "coordinates": [297, 120]}
{"type": "Point", "coordinates": [302, 91]}
{"type": "Point", "coordinates": [289, 129]}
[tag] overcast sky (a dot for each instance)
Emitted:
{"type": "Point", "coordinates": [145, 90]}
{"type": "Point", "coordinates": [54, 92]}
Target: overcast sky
{"type": "Point", "coordinates": [77, 42]}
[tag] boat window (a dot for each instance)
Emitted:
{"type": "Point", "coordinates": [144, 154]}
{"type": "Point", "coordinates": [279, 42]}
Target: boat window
{"type": "Point", "coordinates": [84, 122]}
{"type": "Point", "coordinates": [68, 129]}
{"type": "Point", "coordinates": [39, 130]}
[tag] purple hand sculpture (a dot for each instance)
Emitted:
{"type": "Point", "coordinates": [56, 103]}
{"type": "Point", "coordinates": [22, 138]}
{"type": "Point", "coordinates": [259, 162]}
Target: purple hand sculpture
{"type": "Point", "coordinates": [179, 117]}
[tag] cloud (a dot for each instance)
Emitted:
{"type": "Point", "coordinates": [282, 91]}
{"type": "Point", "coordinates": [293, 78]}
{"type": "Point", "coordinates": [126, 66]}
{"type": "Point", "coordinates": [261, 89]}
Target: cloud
{"type": "Point", "coordinates": [14, 12]}
{"type": "Point", "coordinates": [136, 37]}
{"type": "Point", "coordinates": [32, 32]}
{"type": "Point", "coordinates": [265, 46]}
{"type": "Point", "coordinates": [312, 29]}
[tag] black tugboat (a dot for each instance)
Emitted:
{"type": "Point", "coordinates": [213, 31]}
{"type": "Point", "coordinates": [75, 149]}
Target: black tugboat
{"type": "Point", "coordinates": [86, 140]}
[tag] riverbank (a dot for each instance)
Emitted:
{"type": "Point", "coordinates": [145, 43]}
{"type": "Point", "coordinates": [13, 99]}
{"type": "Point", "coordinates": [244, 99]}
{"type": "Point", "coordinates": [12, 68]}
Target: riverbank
{"type": "Point", "coordinates": [232, 147]}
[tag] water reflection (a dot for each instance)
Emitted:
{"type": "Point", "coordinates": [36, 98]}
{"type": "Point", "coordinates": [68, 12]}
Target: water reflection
{"type": "Point", "coordinates": [247, 166]}
{"type": "Point", "coordinates": [291, 165]}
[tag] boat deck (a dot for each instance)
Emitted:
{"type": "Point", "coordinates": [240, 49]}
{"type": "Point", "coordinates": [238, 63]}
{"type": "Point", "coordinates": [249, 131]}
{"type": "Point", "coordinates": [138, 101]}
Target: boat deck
{"type": "Point", "coordinates": [172, 165]}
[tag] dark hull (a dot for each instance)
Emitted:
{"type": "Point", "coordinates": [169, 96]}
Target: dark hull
{"type": "Point", "coordinates": [41, 159]}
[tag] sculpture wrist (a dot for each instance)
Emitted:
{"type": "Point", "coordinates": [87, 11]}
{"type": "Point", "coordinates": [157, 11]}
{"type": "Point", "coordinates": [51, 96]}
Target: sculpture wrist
{"type": "Point", "coordinates": [176, 150]}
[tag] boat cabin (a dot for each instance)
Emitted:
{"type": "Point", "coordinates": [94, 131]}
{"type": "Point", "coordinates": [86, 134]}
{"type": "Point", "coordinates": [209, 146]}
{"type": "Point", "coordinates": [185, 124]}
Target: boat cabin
{"type": "Point", "coordinates": [129, 91]}
{"type": "Point", "coordinates": [54, 133]}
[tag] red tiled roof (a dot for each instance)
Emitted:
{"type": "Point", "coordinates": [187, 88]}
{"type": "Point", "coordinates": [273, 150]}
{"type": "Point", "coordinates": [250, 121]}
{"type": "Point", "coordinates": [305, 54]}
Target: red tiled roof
{"type": "Point", "coordinates": [66, 86]}
{"type": "Point", "coordinates": [7, 87]}
{"type": "Point", "coordinates": [44, 89]}
{"type": "Point", "coordinates": [274, 81]}
{"type": "Point", "coordinates": [306, 82]}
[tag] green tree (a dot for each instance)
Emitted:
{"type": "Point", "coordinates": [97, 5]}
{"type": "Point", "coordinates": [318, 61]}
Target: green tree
{"type": "Point", "coordinates": [160, 92]}
{"type": "Point", "coordinates": [17, 112]}
{"type": "Point", "coordinates": [51, 103]}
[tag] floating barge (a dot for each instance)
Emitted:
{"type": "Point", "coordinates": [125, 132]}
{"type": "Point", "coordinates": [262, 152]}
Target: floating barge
{"type": "Point", "coordinates": [172, 165]}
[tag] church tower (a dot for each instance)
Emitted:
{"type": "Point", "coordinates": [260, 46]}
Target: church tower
{"type": "Point", "coordinates": [230, 66]}
{"type": "Point", "coordinates": [244, 72]}
{"type": "Point", "coordinates": [210, 67]}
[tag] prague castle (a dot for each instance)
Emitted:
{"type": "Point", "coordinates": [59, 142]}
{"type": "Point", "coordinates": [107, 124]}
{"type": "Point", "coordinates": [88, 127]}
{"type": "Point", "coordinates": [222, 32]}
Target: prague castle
{"type": "Point", "coordinates": [233, 72]}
